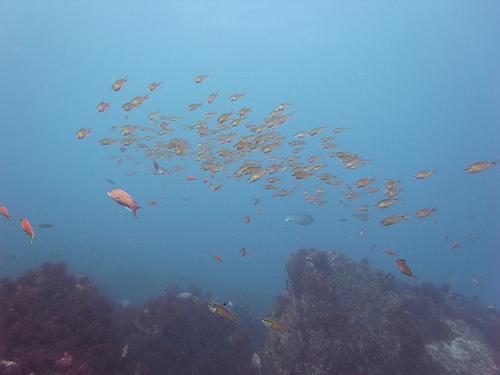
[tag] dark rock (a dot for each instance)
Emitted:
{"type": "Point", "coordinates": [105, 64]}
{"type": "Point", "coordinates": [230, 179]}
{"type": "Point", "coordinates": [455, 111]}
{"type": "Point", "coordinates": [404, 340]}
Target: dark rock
{"type": "Point", "coordinates": [349, 319]}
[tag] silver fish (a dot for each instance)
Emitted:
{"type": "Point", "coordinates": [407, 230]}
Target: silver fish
{"type": "Point", "coordinates": [300, 219]}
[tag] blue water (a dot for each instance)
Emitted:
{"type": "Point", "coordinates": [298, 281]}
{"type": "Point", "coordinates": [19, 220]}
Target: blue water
{"type": "Point", "coordinates": [417, 84]}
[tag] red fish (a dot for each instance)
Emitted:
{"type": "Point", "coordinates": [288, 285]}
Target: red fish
{"type": "Point", "coordinates": [246, 219]}
{"type": "Point", "coordinates": [218, 258]}
{"type": "Point", "coordinates": [258, 211]}
{"type": "Point", "coordinates": [153, 202]}
{"type": "Point", "coordinates": [25, 224]}
{"type": "Point", "coordinates": [4, 212]}
{"type": "Point", "coordinates": [191, 178]}
{"type": "Point", "coordinates": [390, 252]}
{"type": "Point", "coordinates": [122, 198]}
{"type": "Point", "coordinates": [216, 187]}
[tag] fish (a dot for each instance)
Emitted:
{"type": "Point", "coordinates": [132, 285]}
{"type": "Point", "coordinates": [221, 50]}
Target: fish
{"type": "Point", "coordinates": [101, 107]}
{"type": "Point", "coordinates": [153, 86]}
{"type": "Point", "coordinates": [274, 324]}
{"type": "Point", "coordinates": [82, 133]}
{"type": "Point", "coordinates": [110, 181]}
{"type": "Point", "coordinates": [243, 252]}
{"type": "Point", "coordinates": [45, 225]}
{"type": "Point", "coordinates": [390, 252]}
{"type": "Point", "coordinates": [363, 182]}
{"type": "Point", "coordinates": [25, 224]}
{"type": "Point", "coordinates": [384, 203]}
{"type": "Point", "coordinates": [480, 166]}
{"type": "Point", "coordinates": [118, 84]}
{"type": "Point", "coordinates": [246, 219]}
{"type": "Point", "coordinates": [107, 141]}
{"type": "Point", "coordinates": [393, 220]}
{"type": "Point", "coordinates": [424, 212]}
{"type": "Point", "coordinates": [424, 174]}
{"type": "Point", "coordinates": [256, 201]}
{"type": "Point", "coordinates": [404, 269]}
{"type": "Point", "coordinates": [454, 245]}
{"type": "Point", "coordinates": [5, 212]}
{"type": "Point", "coordinates": [211, 98]}
{"type": "Point", "coordinates": [153, 202]}
{"type": "Point", "coordinates": [300, 219]}
{"type": "Point", "coordinates": [218, 257]}
{"type": "Point", "coordinates": [235, 97]}
{"type": "Point", "coordinates": [201, 78]}
{"type": "Point", "coordinates": [124, 199]}
{"type": "Point", "coordinates": [222, 311]}
{"type": "Point", "coordinates": [191, 178]}
{"type": "Point", "coordinates": [476, 281]}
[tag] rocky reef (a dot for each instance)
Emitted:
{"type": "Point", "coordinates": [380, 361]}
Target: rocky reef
{"type": "Point", "coordinates": [348, 319]}
{"type": "Point", "coordinates": [53, 323]}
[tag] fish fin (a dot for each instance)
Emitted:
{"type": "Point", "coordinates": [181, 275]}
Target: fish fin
{"type": "Point", "coordinates": [134, 209]}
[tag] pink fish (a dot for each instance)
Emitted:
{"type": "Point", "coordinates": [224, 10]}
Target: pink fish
{"type": "Point", "coordinates": [122, 198]}
{"type": "Point", "coordinates": [454, 245]}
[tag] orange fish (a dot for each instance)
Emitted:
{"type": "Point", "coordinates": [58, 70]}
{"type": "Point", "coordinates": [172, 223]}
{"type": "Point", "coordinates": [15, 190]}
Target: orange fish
{"type": "Point", "coordinates": [118, 84]}
{"type": "Point", "coordinates": [153, 202]}
{"type": "Point", "coordinates": [25, 224]}
{"type": "Point", "coordinates": [454, 245]}
{"type": "Point", "coordinates": [246, 219]}
{"type": "Point", "coordinates": [191, 178]}
{"type": "Point", "coordinates": [4, 212]}
{"type": "Point", "coordinates": [218, 258]}
{"type": "Point", "coordinates": [390, 252]}
{"type": "Point", "coordinates": [216, 187]}
{"type": "Point", "coordinates": [258, 211]}
{"type": "Point", "coordinates": [82, 133]}
{"type": "Point", "coordinates": [122, 198]}
{"type": "Point", "coordinates": [205, 180]}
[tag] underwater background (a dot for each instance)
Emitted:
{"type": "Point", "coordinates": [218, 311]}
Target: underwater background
{"type": "Point", "coordinates": [416, 84]}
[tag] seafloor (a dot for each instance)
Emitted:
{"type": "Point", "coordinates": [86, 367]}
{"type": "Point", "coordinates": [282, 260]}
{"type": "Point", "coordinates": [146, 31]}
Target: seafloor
{"type": "Point", "coordinates": [344, 318]}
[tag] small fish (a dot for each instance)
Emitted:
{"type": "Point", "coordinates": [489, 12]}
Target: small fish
{"type": "Point", "coordinates": [480, 166]}
{"type": "Point", "coordinates": [243, 252]}
{"type": "Point", "coordinates": [389, 276]}
{"type": "Point", "coordinates": [390, 252]}
{"type": "Point", "coordinates": [246, 219]}
{"type": "Point", "coordinates": [110, 181]}
{"type": "Point", "coordinates": [153, 202]}
{"type": "Point", "coordinates": [25, 224]}
{"type": "Point", "coordinates": [124, 199]}
{"type": "Point", "coordinates": [82, 133]}
{"type": "Point", "coordinates": [221, 311]}
{"type": "Point", "coordinates": [118, 84]}
{"type": "Point", "coordinates": [274, 324]}
{"type": "Point", "coordinates": [404, 269]}
{"type": "Point", "coordinates": [372, 247]}
{"type": "Point", "coordinates": [476, 281]}
{"type": "Point", "coordinates": [363, 182]}
{"type": "Point", "coordinates": [191, 178]}
{"type": "Point", "coordinates": [211, 98]}
{"type": "Point", "coordinates": [256, 201]}
{"type": "Point", "coordinates": [4, 212]}
{"type": "Point", "coordinates": [201, 78]}
{"type": "Point", "coordinates": [454, 245]}
{"type": "Point", "coordinates": [235, 97]}
{"type": "Point", "coordinates": [153, 86]}
{"type": "Point", "coordinates": [218, 257]}
{"type": "Point", "coordinates": [45, 225]}
{"type": "Point", "coordinates": [107, 141]}
{"type": "Point", "coordinates": [424, 212]}
{"type": "Point", "coordinates": [300, 219]}
{"type": "Point", "coordinates": [424, 174]}
{"type": "Point", "coordinates": [393, 220]}
{"type": "Point", "coordinates": [101, 107]}
{"type": "Point", "coordinates": [361, 232]}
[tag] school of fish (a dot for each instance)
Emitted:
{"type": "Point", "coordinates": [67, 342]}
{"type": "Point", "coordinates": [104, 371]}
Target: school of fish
{"type": "Point", "coordinates": [232, 143]}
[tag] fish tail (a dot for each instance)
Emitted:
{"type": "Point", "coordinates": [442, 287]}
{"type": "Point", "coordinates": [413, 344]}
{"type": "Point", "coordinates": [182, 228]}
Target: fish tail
{"type": "Point", "coordinates": [134, 209]}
